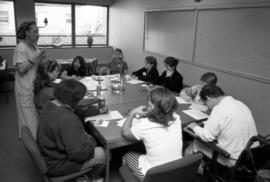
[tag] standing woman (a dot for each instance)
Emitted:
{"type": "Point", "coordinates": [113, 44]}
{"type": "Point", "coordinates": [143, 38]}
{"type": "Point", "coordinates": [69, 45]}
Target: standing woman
{"type": "Point", "coordinates": [26, 58]}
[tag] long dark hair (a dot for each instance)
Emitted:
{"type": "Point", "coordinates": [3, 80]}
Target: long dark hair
{"type": "Point", "coordinates": [42, 77]}
{"type": "Point", "coordinates": [164, 106]}
{"type": "Point", "coordinates": [25, 26]}
{"type": "Point", "coordinates": [151, 60]}
{"type": "Point", "coordinates": [82, 68]}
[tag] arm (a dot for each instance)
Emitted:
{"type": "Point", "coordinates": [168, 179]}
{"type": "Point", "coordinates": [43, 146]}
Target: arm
{"type": "Point", "coordinates": [126, 129]}
{"type": "Point", "coordinates": [211, 129]}
{"type": "Point", "coordinates": [138, 72]}
{"type": "Point", "coordinates": [24, 64]}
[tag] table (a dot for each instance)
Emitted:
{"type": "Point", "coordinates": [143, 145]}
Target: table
{"type": "Point", "coordinates": [66, 62]}
{"type": "Point", "coordinates": [134, 95]}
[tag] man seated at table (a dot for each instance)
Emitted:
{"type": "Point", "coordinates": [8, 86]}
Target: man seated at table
{"type": "Point", "coordinates": [62, 140]}
{"type": "Point", "coordinates": [230, 123]}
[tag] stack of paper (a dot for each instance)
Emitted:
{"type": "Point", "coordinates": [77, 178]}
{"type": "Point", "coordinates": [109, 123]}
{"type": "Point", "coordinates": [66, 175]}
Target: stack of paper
{"type": "Point", "coordinates": [92, 84]}
{"type": "Point", "coordinates": [198, 115]}
{"type": "Point", "coordinates": [199, 107]}
{"type": "Point", "coordinates": [134, 81]}
{"type": "Point", "coordinates": [110, 116]}
{"type": "Point", "coordinates": [180, 100]}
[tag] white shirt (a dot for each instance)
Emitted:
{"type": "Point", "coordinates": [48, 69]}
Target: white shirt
{"type": "Point", "coordinates": [163, 144]}
{"type": "Point", "coordinates": [23, 53]}
{"type": "Point", "coordinates": [230, 123]}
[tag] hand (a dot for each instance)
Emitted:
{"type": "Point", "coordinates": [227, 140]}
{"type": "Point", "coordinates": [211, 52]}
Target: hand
{"type": "Point", "coordinates": [169, 73]}
{"type": "Point", "coordinates": [141, 110]}
{"type": "Point", "coordinates": [192, 125]}
{"type": "Point", "coordinates": [42, 55]}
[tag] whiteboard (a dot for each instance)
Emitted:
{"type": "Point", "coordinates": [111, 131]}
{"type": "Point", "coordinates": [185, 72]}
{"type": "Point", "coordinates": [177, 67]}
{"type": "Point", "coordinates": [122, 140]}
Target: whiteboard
{"type": "Point", "coordinates": [170, 33]}
{"type": "Point", "coordinates": [236, 39]}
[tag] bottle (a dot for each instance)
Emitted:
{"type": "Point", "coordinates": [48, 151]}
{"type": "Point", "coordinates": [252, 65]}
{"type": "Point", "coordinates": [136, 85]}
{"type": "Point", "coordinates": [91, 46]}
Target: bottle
{"type": "Point", "coordinates": [99, 88]}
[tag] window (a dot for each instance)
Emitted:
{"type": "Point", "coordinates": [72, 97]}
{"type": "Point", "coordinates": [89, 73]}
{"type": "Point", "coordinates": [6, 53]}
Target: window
{"type": "Point", "coordinates": [63, 30]}
{"type": "Point", "coordinates": [91, 20]}
{"type": "Point", "coordinates": [7, 24]}
{"type": "Point", "coordinates": [58, 30]}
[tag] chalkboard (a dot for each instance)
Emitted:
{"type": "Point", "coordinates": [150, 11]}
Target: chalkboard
{"type": "Point", "coordinates": [170, 33]}
{"type": "Point", "coordinates": [236, 39]}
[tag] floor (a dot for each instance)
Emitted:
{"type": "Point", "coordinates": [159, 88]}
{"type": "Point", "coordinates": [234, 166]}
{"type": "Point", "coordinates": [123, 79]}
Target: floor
{"type": "Point", "coordinates": [16, 164]}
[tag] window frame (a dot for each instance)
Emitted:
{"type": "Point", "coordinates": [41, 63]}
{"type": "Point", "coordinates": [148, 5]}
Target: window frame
{"type": "Point", "coordinates": [73, 24]}
{"type": "Point", "coordinates": [11, 46]}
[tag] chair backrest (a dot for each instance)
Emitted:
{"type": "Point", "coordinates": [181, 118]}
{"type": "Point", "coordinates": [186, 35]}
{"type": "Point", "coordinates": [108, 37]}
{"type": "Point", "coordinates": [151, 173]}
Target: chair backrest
{"type": "Point", "coordinates": [94, 67]}
{"type": "Point", "coordinates": [31, 146]}
{"type": "Point", "coordinates": [183, 170]}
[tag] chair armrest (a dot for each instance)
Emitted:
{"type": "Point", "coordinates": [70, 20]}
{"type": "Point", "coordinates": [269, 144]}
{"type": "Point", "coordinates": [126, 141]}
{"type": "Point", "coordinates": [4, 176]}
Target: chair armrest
{"type": "Point", "coordinates": [211, 145]}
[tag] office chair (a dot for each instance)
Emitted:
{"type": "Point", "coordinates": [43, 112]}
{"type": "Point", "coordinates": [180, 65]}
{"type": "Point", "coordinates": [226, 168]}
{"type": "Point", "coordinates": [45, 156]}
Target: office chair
{"type": "Point", "coordinates": [183, 170]}
{"type": "Point", "coordinates": [31, 146]}
{"type": "Point", "coordinates": [251, 160]}
{"type": "Point", "coordinates": [94, 67]}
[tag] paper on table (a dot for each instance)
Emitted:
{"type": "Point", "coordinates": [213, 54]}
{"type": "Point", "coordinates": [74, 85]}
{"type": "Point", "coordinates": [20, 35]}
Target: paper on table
{"type": "Point", "coordinates": [199, 107]}
{"type": "Point", "coordinates": [133, 81]}
{"type": "Point", "coordinates": [58, 80]}
{"type": "Point", "coordinates": [121, 122]}
{"type": "Point", "coordinates": [101, 123]}
{"type": "Point", "coordinates": [92, 84]}
{"type": "Point", "coordinates": [180, 100]}
{"type": "Point", "coordinates": [195, 114]}
{"type": "Point", "coordinates": [110, 116]}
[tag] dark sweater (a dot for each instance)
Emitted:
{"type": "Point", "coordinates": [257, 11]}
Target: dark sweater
{"type": "Point", "coordinates": [71, 71]}
{"type": "Point", "coordinates": [173, 83]}
{"type": "Point", "coordinates": [62, 140]}
{"type": "Point", "coordinates": [147, 76]}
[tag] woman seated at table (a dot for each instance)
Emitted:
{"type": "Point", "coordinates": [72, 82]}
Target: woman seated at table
{"type": "Point", "coordinates": [160, 132]}
{"type": "Point", "coordinates": [76, 70]}
{"type": "Point", "coordinates": [171, 78]}
{"type": "Point", "coordinates": [44, 86]}
{"type": "Point", "coordinates": [62, 140]}
{"type": "Point", "coordinates": [193, 93]}
{"type": "Point", "coordinates": [117, 64]}
{"type": "Point", "coordinates": [149, 72]}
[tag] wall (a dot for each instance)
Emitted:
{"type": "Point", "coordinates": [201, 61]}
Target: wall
{"type": "Point", "coordinates": [126, 32]}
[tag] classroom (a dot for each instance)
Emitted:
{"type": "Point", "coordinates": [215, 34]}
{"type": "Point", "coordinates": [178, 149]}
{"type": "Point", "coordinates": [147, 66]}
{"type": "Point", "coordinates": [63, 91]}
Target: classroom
{"type": "Point", "coordinates": [230, 38]}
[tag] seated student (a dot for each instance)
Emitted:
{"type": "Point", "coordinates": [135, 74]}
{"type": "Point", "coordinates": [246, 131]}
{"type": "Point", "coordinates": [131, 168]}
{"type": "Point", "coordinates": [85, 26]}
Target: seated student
{"type": "Point", "coordinates": [230, 123]}
{"type": "Point", "coordinates": [193, 93]}
{"type": "Point", "coordinates": [76, 70]}
{"type": "Point", "coordinates": [116, 65]}
{"type": "Point", "coordinates": [171, 78]}
{"type": "Point", "coordinates": [149, 72]}
{"type": "Point", "coordinates": [44, 86]}
{"type": "Point", "coordinates": [62, 140]}
{"type": "Point", "coordinates": [160, 132]}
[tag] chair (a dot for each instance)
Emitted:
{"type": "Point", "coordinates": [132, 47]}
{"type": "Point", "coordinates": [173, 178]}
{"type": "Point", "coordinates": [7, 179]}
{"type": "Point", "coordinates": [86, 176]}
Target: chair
{"type": "Point", "coordinates": [94, 67]}
{"type": "Point", "coordinates": [31, 146]}
{"type": "Point", "coordinates": [4, 77]}
{"type": "Point", "coordinates": [251, 160]}
{"type": "Point", "coordinates": [183, 170]}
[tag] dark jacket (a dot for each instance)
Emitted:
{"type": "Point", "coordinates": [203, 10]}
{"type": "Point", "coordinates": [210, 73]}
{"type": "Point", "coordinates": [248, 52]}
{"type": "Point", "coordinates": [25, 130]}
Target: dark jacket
{"type": "Point", "coordinates": [80, 72]}
{"type": "Point", "coordinates": [147, 76]}
{"type": "Point", "coordinates": [62, 140]}
{"type": "Point", "coordinates": [173, 83]}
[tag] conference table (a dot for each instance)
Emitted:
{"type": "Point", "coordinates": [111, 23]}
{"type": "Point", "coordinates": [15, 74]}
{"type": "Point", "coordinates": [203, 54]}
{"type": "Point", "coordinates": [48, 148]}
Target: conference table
{"type": "Point", "coordinates": [134, 95]}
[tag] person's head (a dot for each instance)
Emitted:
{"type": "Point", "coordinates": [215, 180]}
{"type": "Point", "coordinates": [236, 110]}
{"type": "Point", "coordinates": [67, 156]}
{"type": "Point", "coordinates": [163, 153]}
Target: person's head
{"type": "Point", "coordinates": [28, 31]}
{"type": "Point", "coordinates": [47, 72]}
{"type": "Point", "coordinates": [117, 54]}
{"type": "Point", "coordinates": [208, 78]}
{"type": "Point", "coordinates": [69, 92]}
{"type": "Point", "coordinates": [171, 63]}
{"type": "Point", "coordinates": [161, 105]}
{"type": "Point", "coordinates": [150, 61]}
{"type": "Point", "coordinates": [78, 63]}
{"type": "Point", "coordinates": [211, 95]}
